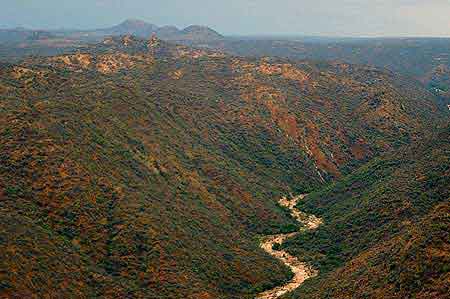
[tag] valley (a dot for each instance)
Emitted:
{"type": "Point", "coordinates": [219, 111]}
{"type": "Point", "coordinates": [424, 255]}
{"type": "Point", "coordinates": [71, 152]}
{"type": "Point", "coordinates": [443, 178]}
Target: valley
{"type": "Point", "coordinates": [140, 168]}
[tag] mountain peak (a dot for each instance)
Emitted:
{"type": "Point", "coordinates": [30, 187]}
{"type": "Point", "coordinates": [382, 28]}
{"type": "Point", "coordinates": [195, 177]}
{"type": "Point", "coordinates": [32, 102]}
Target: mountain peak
{"type": "Point", "coordinates": [134, 23]}
{"type": "Point", "coordinates": [144, 30]}
{"type": "Point", "coordinates": [132, 26]}
{"type": "Point", "coordinates": [197, 32]}
{"type": "Point", "coordinates": [197, 27]}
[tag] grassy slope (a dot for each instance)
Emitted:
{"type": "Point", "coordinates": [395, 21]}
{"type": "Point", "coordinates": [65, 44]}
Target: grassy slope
{"type": "Point", "coordinates": [157, 176]}
{"type": "Point", "coordinates": [385, 231]}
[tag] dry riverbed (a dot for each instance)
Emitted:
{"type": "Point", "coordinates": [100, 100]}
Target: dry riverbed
{"type": "Point", "coordinates": [301, 270]}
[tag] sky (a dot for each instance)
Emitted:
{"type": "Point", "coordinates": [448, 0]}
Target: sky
{"type": "Point", "coordinates": [241, 17]}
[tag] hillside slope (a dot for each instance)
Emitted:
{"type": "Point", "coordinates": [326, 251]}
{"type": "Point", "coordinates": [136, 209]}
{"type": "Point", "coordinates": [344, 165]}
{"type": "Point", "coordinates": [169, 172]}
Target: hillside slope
{"type": "Point", "coordinates": [155, 166]}
{"type": "Point", "coordinates": [386, 228]}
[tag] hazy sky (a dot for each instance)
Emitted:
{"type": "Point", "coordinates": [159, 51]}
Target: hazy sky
{"type": "Point", "coordinates": [298, 17]}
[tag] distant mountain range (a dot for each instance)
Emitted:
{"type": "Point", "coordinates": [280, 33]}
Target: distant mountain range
{"type": "Point", "coordinates": [135, 27]}
{"type": "Point", "coordinates": [143, 29]}
{"type": "Point", "coordinates": [18, 35]}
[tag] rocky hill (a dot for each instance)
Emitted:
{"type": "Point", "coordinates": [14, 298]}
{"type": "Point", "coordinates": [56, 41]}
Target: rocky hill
{"type": "Point", "coordinates": [138, 168]}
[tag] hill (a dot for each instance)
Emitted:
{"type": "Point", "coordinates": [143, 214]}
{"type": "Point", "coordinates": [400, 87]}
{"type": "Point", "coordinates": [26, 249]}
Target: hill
{"type": "Point", "coordinates": [385, 231]}
{"type": "Point", "coordinates": [130, 26]}
{"type": "Point", "coordinates": [424, 59]}
{"type": "Point", "coordinates": [137, 168]}
{"type": "Point", "coordinates": [145, 30]}
{"type": "Point", "coordinates": [201, 33]}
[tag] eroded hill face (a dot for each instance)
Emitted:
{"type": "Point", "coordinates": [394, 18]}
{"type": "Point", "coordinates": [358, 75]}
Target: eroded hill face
{"type": "Point", "coordinates": [155, 165]}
